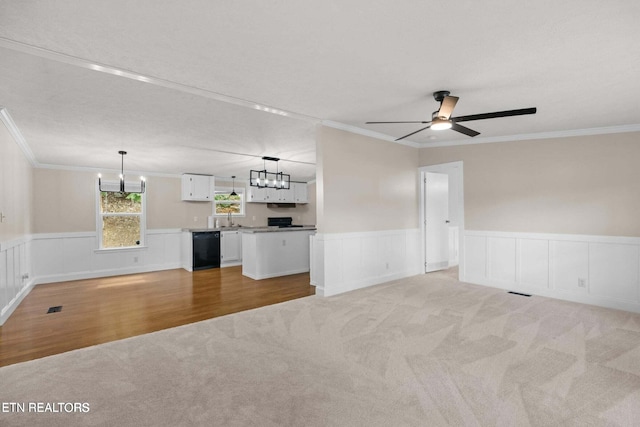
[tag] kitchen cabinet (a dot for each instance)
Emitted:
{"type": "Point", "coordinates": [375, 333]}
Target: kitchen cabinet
{"type": "Point", "coordinates": [257, 195]}
{"type": "Point", "coordinates": [275, 253]}
{"type": "Point", "coordinates": [197, 188]}
{"type": "Point", "coordinates": [300, 192]}
{"type": "Point", "coordinates": [280, 196]}
{"type": "Point", "coordinates": [231, 247]}
{"type": "Point", "coordinates": [296, 194]}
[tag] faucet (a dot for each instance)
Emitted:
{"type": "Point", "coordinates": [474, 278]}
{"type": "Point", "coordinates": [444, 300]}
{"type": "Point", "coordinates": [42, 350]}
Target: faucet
{"type": "Point", "coordinates": [229, 221]}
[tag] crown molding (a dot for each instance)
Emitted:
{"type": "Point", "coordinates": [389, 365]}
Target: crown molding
{"type": "Point", "coordinates": [539, 135]}
{"type": "Point", "coordinates": [366, 132]}
{"type": "Point", "coordinates": [129, 74]}
{"type": "Point", "coordinates": [17, 136]}
{"type": "Point", "coordinates": [488, 139]}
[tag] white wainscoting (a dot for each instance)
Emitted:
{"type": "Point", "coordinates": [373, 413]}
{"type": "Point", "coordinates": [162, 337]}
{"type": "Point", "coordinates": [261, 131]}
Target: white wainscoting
{"type": "Point", "coordinates": [72, 256]}
{"type": "Point", "coordinates": [15, 274]}
{"type": "Point", "coordinates": [599, 270]}
{"type": "Point", "coordinates": [342, 262]}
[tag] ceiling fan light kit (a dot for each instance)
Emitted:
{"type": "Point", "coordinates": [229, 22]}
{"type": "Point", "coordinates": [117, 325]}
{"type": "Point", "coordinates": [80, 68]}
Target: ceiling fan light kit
{"type": "Point", "coordinates": [441, 119]}
{"type": "Point", "coordinates": [265, 179]}
{"type": "Point", "coordinates": [440, 124]}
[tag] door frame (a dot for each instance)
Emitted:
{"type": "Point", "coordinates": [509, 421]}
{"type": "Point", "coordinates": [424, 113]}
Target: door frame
{"type": "Point", "coordinates": [455, 171]}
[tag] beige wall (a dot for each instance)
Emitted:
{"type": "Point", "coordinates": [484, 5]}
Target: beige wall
{"type": "Point", "coordinates": [577, 185]}
{"type": "Point", "coordinates": [15, 188]}
{"type": "Point", "coordinates": [64, 201]}
{"type": "Point", "coordinates": [365, 184]}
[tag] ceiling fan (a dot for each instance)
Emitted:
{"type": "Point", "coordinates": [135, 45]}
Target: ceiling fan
{"type": "Point", "coordinates": [442, 119]}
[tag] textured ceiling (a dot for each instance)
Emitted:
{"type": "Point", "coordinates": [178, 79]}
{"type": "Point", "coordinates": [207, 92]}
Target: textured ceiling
{"type": "Point", "coordinates": [346, 62]}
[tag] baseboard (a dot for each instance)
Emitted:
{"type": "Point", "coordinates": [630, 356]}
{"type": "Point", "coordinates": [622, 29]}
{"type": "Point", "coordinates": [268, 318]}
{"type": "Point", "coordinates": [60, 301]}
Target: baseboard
{"type": "Point", "coordinates": [272, 275]}
{"type": "Point", "coordinates": [104, 273]}
{"type": "Point", "coordinates": [230, 264]}
{"type": "Point", "coordinates": [365, 283]}
{"type": "Point", "coordinates": [558, 294]}
{"type": "Point", "coordinates": [15, 302]}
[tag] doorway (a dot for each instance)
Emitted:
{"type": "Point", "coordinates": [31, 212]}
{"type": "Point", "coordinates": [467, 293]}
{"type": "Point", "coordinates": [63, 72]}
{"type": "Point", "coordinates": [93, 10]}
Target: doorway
{"type": "Point", "coordinates": [442, 242]}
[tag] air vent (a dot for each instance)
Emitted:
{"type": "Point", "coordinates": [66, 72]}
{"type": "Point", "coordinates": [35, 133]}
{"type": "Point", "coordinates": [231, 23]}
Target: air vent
{"type": "Point", "coordinates": [55, 309]}
{"type": "Point", "coordinates": [518, 293]}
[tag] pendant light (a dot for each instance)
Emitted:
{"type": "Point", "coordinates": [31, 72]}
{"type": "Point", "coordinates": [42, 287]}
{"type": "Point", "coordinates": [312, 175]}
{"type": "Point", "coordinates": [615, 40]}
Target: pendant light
{"type": "Point", "coordinates": [122, 182]}
{"type": "Point", "coordinates": [266, 179]}
{"type": "Point", "coordinates": [233, 193]}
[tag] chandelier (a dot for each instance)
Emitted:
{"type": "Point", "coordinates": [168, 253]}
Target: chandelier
{"type": "Point", "coordinates": [122, 188]}
{"type": "Point", "coordinates": [266, 179]}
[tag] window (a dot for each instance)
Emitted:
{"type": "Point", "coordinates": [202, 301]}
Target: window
{"type": "Point", "coordinates": [121, 219]}
{"type": "Point", "coordinates": [225, 203]}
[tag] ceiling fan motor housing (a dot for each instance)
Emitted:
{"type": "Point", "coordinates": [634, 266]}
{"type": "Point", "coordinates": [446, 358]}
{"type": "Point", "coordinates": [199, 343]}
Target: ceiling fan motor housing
{"type": "Point", "coordinates": [440, 95]}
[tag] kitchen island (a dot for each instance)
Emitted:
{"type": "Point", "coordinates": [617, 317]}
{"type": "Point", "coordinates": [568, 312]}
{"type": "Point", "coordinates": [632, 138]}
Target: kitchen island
{"type": "Point", "coordinates": [272, 252]}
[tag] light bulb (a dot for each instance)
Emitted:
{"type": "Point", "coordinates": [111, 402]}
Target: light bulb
{"type": "Point", "coordinates": [440, 124]}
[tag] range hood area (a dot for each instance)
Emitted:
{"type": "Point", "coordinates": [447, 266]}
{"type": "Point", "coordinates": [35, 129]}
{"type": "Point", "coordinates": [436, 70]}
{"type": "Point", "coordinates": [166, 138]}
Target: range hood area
{"type": "Point", "coordinates": [281, 205]}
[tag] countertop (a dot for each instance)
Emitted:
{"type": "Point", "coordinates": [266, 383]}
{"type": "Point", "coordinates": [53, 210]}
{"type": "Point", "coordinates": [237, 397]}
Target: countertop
{"type": "Point", "coordinates": [276, 229]}
{"type": "Point", "coordinates": [251, 229]}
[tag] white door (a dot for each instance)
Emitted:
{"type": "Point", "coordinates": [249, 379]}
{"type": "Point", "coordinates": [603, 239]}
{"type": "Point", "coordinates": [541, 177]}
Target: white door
{"type": "Point", "coordinates": [436, 200]}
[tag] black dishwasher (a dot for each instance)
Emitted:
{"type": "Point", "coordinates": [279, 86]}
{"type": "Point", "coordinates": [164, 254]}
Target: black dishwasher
{"type": "Point", "coordinates": [206, 250]}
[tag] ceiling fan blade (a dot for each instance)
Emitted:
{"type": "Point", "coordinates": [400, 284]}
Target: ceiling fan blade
{"type": "Point", "coordinates": [464, 130]}
{"type": "Point", "coordinates": [413, 133]}
{"type": "Point", "coordinates": [446, 108]}
{"type": "Point", "coordinates": [507, 113]}
{"type": "Point", "coordinates": [377, 123]}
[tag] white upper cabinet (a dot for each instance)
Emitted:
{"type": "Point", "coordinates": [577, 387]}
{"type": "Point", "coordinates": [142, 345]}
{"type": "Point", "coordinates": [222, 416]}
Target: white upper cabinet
{"type": "Point", "coordinates": [256, 194]}
{"type": "Point", "coordinates": [197, 188]}
{"type": "Point", "coordinates": [297, 193]}
{"type": "Point", "coordinates": [280, 196]}
{"type": "Point", "coordinates": [300, 192]}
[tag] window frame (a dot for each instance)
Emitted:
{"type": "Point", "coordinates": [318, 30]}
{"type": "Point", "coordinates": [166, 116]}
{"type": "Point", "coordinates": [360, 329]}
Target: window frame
{"type": "Point", "coordinates": [240, 190]}
{"type": "Point", "coordinates": [100, 215]}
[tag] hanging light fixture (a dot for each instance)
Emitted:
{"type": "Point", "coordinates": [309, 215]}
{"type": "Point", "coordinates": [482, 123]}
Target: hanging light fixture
{"type": "Point", "coordinates": [266, 179]}
{"type": "Point", "coordinates": [122, 188]}
{"type": "Point", "coordinates": [233, 193]}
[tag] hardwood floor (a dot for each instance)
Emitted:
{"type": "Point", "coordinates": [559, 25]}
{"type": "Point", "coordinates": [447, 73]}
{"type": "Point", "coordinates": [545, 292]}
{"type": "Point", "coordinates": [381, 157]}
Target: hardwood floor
{"type": "Point", "coordinates": [96, 311]}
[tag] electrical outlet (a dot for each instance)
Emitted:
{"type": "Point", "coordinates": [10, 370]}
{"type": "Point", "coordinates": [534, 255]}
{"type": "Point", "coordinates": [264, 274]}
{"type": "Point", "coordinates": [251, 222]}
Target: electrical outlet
{"type": "Point", "coordinates": [135, 259]}
{"type": "Point", "coordinates": [254, 218]}
{"type": "Point", "coordinates": [582, 283]}
{"type": "Point", "coordinates": [195, 219]}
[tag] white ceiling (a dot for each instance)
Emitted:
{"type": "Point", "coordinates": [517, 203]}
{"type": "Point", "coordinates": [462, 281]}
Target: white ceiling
{"type": "Point", "coordinates": [200, 68]}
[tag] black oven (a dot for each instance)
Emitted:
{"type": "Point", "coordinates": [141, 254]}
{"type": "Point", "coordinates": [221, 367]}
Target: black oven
{"type": "Point", "coordinates": [281, 221]}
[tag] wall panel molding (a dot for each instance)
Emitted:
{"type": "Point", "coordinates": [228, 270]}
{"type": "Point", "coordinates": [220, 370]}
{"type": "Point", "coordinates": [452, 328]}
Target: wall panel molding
{"type": "Point", "coordinates": [343, 262]}
{"type": "Point", "coordinates": [60, 257]}
{"type": "Point", "coordinates": [16, 278]}
{"type": "Point", "coordinates": [598, 270]}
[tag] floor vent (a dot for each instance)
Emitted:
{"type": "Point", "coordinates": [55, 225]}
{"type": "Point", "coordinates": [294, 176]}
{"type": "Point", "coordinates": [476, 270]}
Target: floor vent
{"type": "Point", "coordinates": [518, 293]}
{"type": "Point", "coordinates": [55, 309]}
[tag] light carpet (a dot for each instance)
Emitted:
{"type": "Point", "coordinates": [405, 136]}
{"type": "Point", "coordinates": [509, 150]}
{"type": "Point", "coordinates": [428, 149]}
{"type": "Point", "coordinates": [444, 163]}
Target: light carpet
{"type": "Point", "coordinates": [422, 351]}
